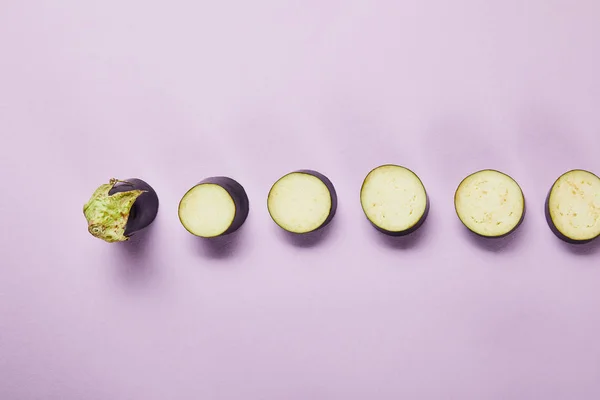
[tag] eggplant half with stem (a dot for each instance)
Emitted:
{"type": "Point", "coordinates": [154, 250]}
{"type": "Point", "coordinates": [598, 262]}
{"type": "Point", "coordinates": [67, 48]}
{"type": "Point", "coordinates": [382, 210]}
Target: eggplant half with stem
{"type": "Point", "coordinates": [302, 201]}
{"type": "Point", "coordinates": [394, 200]}
{"type": "Point", "coordinates": [216, 206]}
{"type": "Point", "coordinates": [490, 203]}
{"type": "Point", "coordinates": [120, 208]}
{"type": "Point", "coordinates": [572, 207]}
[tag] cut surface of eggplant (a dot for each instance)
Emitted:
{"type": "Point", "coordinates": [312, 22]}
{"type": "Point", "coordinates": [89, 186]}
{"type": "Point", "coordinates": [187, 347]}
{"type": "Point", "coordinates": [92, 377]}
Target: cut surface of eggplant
{"type": "Point", "coordinates": [302, 201]}
{"type": "Point", "coordinates": [573, 206]}
{"type": "Point", "coordinates": [394, 200]}
{"type": "Point", "coordinates": [214, 207]}
{"type": "Point", "coordinates": [490, 203]}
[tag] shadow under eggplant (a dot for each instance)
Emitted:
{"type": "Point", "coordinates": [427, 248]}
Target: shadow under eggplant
{"type": "Point", "coordinates": [135, 260]}
{"type": "Point", "coordinates": [310, 239]}
{"type": "Point", "coordinates": [581, 249]}
{"type": "Point", "coordinates": [409, 241]}
{"type": "Point", "coordinates": [508, 242]}
{"type": "Point", "coordinates": [221, 247]}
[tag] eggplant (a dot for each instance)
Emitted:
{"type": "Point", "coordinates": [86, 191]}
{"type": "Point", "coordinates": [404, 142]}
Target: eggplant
{"type": "Point", "coordinates": [121, 208]}
{"type": "Point", "coordinates": [216, 206]}
{"type": "Point", "coordinates": [572, 207]}
{"type": "Point", "coordinates": [302, 201]}
{"type": "Point", "coordinates": [394, 200]}
{"type": "Point", "coordinates": [490, 203]}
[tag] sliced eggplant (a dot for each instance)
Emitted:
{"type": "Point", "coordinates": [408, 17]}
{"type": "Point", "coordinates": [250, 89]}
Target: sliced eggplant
{"type": "Point", "coordinates": [490, 203]}
{"type": "Point", "coordinates": [394, 200]}
{"type": "Point", "coordinates": [214, 207]}
{"type": "Point", "coordinates": [573, 207]}
{"type": "Point", "coordinates": [302, 201]}
{"type": "Point", "coordinates": [121, 208]}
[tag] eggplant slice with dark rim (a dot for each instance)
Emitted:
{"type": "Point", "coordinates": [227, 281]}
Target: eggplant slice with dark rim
{"type": "Point", "coordinates": [121, 208]}
{"type": "Point", "coordinates": [216, 206]}
{"type": "Point", "coordinates": [490, 203]}
{"type": "Point", "coordinates": [573, 207]}
{"type": "Point", "coordinates": [394, 200]}
{"type": "Point", "coordinates": [302, 201]}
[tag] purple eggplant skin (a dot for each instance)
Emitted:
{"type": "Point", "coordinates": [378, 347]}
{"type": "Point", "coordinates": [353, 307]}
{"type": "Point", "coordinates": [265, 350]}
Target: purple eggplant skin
{"type": "Point", "coordinates": [332, 192]}
{"type": "Point", "coordinates": [410, 230]}
{"type": "Point", "coordinates": [144, 210]}
{"type": "Point", "coordinates": [240, 199]}
{"type": "Point", "coordinates": [555, 230]}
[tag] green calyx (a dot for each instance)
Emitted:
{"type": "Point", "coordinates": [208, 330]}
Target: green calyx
{"type": "Point", "coordinates": [107, 215]}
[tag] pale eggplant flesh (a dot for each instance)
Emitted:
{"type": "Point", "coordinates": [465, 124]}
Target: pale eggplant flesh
{"type": "Point", "coordinates": [302, 201]}
{"type": "Point", "coordinates": [572, 207]}
{"type": "Point", "coordinates": [394, 200]}
{"type": "Point", "coordinates": [216, 206]}
{"type": "Point", "coordinates": [490, 204]}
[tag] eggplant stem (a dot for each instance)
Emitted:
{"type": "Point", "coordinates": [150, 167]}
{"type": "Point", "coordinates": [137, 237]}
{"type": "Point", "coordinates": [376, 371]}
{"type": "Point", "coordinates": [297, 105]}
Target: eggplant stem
{"type": "Point", "coordinates": [114, 181]}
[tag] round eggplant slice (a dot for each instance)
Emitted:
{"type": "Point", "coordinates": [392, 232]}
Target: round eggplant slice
{"type": "Point", "coordinates": [394, 200]}
{"type": "Point", "coordinates": [121, 208]}
{"type": "Point", "coordinates": [490, 203]}
{"type": "Point", "coordinates": [216, 206]}
{"type": "Point", "coordinates": [302, 201]}
{"type": "Point", "coordinates": [573, 207]}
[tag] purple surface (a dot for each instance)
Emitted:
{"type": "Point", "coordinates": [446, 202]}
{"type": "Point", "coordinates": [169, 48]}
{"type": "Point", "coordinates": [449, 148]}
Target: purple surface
{"type": "Point", "coordinates": [172, 92]}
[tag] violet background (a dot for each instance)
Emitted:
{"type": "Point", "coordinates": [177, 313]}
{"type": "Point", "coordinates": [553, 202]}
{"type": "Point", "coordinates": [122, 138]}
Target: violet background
{"type": "Point", "coordinates": [175, 91]}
